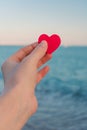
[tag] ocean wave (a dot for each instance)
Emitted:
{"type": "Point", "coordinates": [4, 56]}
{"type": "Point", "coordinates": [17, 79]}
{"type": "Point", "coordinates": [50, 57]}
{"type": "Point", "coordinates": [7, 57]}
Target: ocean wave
{"type": "Point", "coordinates": [75, 88]}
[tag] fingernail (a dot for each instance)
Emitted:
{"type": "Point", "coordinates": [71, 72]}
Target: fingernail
{"type": "Point", "coordinates": [43, 44]}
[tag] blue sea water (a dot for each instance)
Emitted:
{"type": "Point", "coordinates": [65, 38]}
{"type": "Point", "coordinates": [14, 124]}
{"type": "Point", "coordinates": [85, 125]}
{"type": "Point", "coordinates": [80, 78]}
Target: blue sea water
{"type": "Point", "coordinates": [62, 94]}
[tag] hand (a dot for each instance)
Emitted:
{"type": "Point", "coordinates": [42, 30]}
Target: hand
{"type": "Point", "coordinates": [21, 74]}
{"type": "Point", "coordinates": [32, 56]}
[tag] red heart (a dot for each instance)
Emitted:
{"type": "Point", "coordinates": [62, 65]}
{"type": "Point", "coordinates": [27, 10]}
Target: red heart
{"type": "Point", "coordinates": [53, 42]}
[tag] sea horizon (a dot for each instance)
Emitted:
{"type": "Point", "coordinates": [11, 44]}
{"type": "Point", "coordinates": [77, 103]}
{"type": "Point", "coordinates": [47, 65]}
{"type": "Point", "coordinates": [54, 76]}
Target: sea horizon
{"type": "Point", "coordinates": [65, 46]}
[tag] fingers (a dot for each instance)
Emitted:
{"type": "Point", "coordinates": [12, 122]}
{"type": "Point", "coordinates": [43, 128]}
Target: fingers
{"type": "Point", "coordinates": [38, 52]}
{"type": "Point", "coordinates": [19, 55]}
{"type": "Point", "coordinates": [42, 73]}
{"type": "Point", "coordinates": [46, 58]}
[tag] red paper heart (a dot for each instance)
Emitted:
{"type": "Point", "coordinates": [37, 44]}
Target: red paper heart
{"type": "Point", "coordinates": [53, 42]}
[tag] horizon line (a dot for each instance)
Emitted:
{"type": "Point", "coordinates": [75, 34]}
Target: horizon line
{"type": "Point", "coordinates": [30, 44]}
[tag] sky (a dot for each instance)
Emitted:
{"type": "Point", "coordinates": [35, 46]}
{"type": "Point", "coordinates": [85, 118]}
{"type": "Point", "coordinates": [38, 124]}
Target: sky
{"type": "Point", "coordinates": [22, 21]}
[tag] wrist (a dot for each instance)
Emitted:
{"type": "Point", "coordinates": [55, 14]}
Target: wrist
{"type": "Point", "coordinates": [17, 107]}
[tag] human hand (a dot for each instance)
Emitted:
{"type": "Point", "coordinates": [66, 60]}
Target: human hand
{"type": "Point", "coordinates": [20, 72]}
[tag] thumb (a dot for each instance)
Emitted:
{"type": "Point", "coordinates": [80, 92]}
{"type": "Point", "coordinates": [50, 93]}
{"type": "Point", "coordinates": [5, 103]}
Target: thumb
{"type": "Point", "coordinates": [39, 51]}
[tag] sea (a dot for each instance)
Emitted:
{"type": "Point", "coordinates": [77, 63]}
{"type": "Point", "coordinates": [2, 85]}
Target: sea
{"type": "Point", "coordinates": [62, 94]}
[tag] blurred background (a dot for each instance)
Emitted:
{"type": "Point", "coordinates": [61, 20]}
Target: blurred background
{"type": "Point", "coordinates": [62, 94]}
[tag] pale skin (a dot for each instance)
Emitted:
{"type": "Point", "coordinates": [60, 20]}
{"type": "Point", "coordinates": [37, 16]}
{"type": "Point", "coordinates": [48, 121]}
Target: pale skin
{"type": "Point", "coordinates": [21, 75]}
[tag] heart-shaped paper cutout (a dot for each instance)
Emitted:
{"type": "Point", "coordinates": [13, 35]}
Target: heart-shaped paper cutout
{"type": "Point", "coordinates": [53, 42]}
